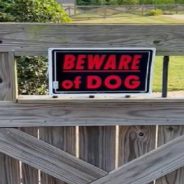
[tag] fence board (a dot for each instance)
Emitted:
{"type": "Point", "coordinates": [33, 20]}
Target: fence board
{"type": "Point", "coordinates": [98, 10]}
{"type": "Point", "coordinates": [9, 170]}
{"type": "Point", "coordinates": [34, 39]}
{"type": "Point", "coordinates": [45, 99]}
{"type": "Point", "coordinates": [150, 166]}
{"type": "Point", "coordinates": [61, 137]}
{"type": "Point", "coordinates": [7, 73]}
{"type": "Point", "coordinates": [97, 146]}
{"type": "Point", "coordinates": [166, 134]}
{"type": "Point", "coordinates": [29, 174]}
{"type": "Point", "coordinates": [9, 167]}
{"type": "Point", "coordinates": [49, 159]}
{"type": "Point", "coordinates": [91, 113]}
{"type": "Point", "coordinates": [135, 141]}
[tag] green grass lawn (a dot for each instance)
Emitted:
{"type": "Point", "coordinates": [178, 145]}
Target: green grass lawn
{"type": "Point", "coordinates": [176, 65]}
{"type": "Point", "coordinates": [127, 18]}
{"type": "Point", "coordinates": [176, 74]}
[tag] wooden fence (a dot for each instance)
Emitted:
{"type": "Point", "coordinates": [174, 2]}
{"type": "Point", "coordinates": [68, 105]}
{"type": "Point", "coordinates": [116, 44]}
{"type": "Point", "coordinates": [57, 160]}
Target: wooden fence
{"type": "Point", "coordinates": [105, 11]}
{"type": "Point", "coordinates": [115, 141]}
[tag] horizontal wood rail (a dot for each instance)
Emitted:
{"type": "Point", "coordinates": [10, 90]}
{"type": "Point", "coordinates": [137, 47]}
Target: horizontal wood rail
{"type": "Point", "coordinates": [45, 99]}
{"type": "Point", "coordinates": [35, 39]}
{"type": "Point", "coordinates": [91, 113]}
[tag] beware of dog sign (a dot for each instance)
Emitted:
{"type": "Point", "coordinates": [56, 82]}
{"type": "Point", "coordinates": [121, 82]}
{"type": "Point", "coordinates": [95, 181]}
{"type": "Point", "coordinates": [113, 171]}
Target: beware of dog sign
{"type": "Point", "coordinates": [93, 71]}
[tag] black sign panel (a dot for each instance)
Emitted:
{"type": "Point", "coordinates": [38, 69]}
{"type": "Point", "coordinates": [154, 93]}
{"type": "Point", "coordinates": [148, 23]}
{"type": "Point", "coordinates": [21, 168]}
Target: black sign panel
{"type": "Point", "coordinates": [89, 71]}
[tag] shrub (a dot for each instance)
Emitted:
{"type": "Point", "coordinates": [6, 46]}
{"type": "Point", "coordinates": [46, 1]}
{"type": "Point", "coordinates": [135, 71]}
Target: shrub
{"type": "Point", "coordinates": [32, 75]}
{"type": "Point", "coordinates": [32, 70]}
{"type": "Point", "coordinates": [155, 12]}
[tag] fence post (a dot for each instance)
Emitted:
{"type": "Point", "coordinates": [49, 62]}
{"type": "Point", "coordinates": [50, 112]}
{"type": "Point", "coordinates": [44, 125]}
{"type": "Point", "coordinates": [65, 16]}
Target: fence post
{"type": "Point", "coordinates": [176, 9]}
{"type": "Point", "coordinates": [165, 76]}
{"type": "Point", "coordinates": [105, 12]}
{"type": "Point", "coordinates": [75, 9]}
{"type": "Point", "coordinates": [9, 167]}
{"type": "Point", "coordinates": [69, 11]}
{"type": "Point", "coordinates": [142, 10]}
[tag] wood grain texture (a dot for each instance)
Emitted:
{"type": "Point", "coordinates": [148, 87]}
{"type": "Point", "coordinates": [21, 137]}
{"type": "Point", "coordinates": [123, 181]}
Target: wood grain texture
{"type": "Point", "coordinates": [9, 170]}
{"type": "Point", "coordinates": [135, 141]}
{"type": "Point", "coordinates": [30, 174]}
{"type": "Point", "coordinates": [45, 99]}
{"type": "Point", "coordinates": [6, 77]}
{"type": "Point", "coordinates": [47, 158]}
{"type": "Point", "coordinates": [151, 166]}
{"type": "Point", "coordinates": [97, 146]}
{"type": "Point", "coordinates": [9, 167]}
{"type": "Point", "coordinates": [166, 134]}
{"type": "Point", "coordinates": [34, 39]}
{"type": "Point", "coordinates": [60, 137]}
{"type": "Point", "coordinates": [91, 114]}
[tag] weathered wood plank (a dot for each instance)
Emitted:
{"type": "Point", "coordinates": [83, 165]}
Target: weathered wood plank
{"type": "Point", "coordinates": [9, 168]}
{"type": "Point", "coordinates": [97, 146]}
{"type": "Point", "coordinates": [49, 159]}
{"type": "Point", "coordinates": [7, 77]}
{"type": "Point", "coordinates": [149, 167]}
{"type": "Point", "coordinates": [30, 174]}
{"type": "Point", "coordinates": [60, 137]}
{"type": "Point", "coordinates": [45, 99]}
{"type": "Point", "coordinates": [91, 114]}
{"type": "Point", "coordinates": [135, 141]}
{"type": "Point", "coordinates": [34, 39]}
{"type": "Point", "coordinates": [166, 134]}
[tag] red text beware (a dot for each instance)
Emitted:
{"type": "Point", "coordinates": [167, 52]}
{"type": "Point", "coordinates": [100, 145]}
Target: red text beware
{"type": "Point", "coordinates": [101, 62]}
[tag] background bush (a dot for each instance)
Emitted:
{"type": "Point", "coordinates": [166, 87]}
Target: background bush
{"type": "Point", "coordinates": [32, 71]}
{"type": "Point", "coordinates": [155, 12]}
{"type": "Point", "coordinates": [32, 75]}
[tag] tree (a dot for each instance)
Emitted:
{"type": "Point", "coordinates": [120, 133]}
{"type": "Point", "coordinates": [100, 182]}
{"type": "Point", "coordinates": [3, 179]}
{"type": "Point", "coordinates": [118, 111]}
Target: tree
{"type": "Point", "coordinates": [96, 2]}
{"type": "Point", "coordinates": [128, 2]}
{"type": "Point", "coordinates": [32, 70]}
{"type": "Point", "coordinates": [33, 11]}
{"type": "Point", "coordinates": [4, 15]}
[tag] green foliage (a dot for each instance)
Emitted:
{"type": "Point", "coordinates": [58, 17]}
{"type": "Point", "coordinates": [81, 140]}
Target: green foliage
{"type": "Point", "coordinates": [130, 2]}
{"type": "Point", "coordinates": [33, 11]}
{"type": "Point", "coordinates": [32, 70]}
{"type": "Point", "coordinates": [32, 75]}
{"type": "Point", "coordinates": [158, 1]}
{"type": "Point", "coordinates": [155, 12]}
{"type": "Point", "coordinates": [5, 16]}
{"type": "Point", "coordinates": [97, 2]}
{"type": "Point", "coordinates": [38, 11]}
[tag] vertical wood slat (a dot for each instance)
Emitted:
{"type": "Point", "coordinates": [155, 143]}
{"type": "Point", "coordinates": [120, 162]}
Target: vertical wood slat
{"type": "Point", "coordinates": [166, 134]}
{"type": "Point", "coordinates": [29, 174]}
{"type": "Point", "coordinates": [135, 141]}
{"type": "Point", "coordinates": [8, 86]}
{"type": "Point", "coordinates": [97, 146]}
{"type": "Point", "coordinates": [61, 137]}
{"type": "Point", "coordinates": [9, 167]}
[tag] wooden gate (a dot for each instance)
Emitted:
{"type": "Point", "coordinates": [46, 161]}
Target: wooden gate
{"type": "Point", "coordinates": [115, 141]}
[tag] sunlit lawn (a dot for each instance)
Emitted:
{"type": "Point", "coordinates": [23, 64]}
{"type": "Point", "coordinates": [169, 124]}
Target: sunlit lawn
{"type": "Point", "coordinates": [127, 18]}
{"type": "Point", "coordinates": [176, 74]}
